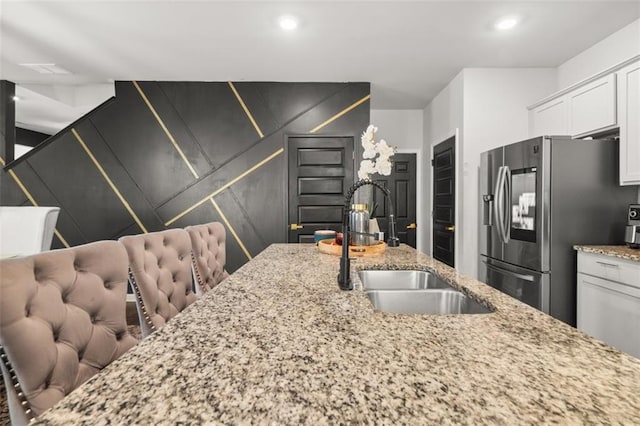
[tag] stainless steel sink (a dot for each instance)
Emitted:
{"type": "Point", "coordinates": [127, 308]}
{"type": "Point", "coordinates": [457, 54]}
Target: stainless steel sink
{"type": "Point", "coordinates": [401, 280]}
{"type": "Point", "coordinates": [425, 302]}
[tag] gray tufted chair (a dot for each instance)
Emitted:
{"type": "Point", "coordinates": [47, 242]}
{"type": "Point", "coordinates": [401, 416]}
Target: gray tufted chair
{"type": "Point", "coordinates": [62, 320]}
{"type": "Point", "coordinates": [160, 274]}
{"type": "Point", "coordinates": [209, 257]}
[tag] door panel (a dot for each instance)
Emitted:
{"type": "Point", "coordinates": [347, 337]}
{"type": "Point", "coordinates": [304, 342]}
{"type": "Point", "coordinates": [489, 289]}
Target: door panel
{"type": "Point", "coordinates": [525, 163]}
{"type": "Point", "coordinates": [313, 186]}
{"type": "Point", "coordinates": [320, 157]}
{"type": "Point", "coordinates": [320, 169]}
{"type": "Point", "coordinates": [444, 197]}
{"type": "Point", "coordinates": [402, 184]}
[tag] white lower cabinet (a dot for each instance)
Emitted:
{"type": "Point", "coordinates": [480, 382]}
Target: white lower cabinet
{"type": "Point", "coordinates": [609, 300]}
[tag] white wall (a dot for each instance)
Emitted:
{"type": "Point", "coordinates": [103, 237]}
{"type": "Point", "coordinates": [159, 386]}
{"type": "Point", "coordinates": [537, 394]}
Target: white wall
{"type": "Point", "coordinates": [444, 113]}
{"type": "Point", "coordinates": [403, 129]}
{"type": "Point", "coordinates": [442, 117]}
{"type": "Point", "coordinates": [618, 47]}
{"type": "Point", "coordinates": [400, 128]}
{"type": "Point", "coordinates": [488, 107]}
{"type": "Point", "coordinates": [495, 114]}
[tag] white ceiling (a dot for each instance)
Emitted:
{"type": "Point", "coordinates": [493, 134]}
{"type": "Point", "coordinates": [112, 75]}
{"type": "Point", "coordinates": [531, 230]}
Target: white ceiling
{"type": "Point", "coordinates": [408, 50]}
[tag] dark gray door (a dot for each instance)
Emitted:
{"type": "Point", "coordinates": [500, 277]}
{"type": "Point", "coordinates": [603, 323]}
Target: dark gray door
{"type": "Point", "coordinates": [320, 171]}
{"type": "Point", "coordinates": [444, 197]}
{"type": "Point", "coordinates": [402, 184]}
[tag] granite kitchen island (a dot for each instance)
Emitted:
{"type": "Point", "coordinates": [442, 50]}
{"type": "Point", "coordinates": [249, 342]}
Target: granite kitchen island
{"type": "Point", "coordinates": [278, 342]}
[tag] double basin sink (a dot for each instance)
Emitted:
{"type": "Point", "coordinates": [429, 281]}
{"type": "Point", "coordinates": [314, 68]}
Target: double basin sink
{"type": "Point", "coordinates": [416, 292]}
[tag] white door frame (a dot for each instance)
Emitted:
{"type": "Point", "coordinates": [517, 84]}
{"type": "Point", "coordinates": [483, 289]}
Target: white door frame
{"type": "Point", "coordinates": [457, 239]}
{"type": "Point", "coordinates": [419, 204]}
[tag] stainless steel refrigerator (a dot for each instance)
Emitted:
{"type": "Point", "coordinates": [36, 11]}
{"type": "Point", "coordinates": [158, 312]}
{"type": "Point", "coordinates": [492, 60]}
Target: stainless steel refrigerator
{"type": "Point", "coordinates": [538, 198]}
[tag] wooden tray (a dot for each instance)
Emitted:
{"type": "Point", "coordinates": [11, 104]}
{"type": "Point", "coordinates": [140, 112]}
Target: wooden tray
{"type": "Point", "coordinates": [330, 247]}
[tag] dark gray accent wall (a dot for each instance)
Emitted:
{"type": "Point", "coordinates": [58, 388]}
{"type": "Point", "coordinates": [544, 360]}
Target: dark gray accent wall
{"type": "Point", "coordinates": [156, 183]}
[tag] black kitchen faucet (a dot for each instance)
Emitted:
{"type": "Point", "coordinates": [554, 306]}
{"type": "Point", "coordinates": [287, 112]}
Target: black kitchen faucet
{"type": "Point", "coordinates": [344, 277]}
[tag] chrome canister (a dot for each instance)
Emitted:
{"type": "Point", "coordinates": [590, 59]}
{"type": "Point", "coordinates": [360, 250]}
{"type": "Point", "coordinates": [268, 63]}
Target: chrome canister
{"type": "Point", "coordinates": [359, 224]}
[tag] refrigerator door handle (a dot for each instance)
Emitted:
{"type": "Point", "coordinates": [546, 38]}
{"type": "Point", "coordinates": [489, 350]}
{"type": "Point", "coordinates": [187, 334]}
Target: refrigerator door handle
{"type": "Point", "coordinates": [507, 204]}
{"type": "Point", "coordinates": [499, 201]}
{"type": "Point", "coordinates": [509, 273]}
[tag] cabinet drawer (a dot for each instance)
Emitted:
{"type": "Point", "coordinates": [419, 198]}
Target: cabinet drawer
{"type": "Point", "coordinates": [610, 268]}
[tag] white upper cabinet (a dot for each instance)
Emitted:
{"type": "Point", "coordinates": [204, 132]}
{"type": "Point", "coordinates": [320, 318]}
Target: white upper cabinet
{"type": "Point", "coordinates": [629, 120]}
{"type": "Point", "coordinates": [592, 107]}
{"type": "Point", "coordinates": [587, 109]}
{"type": "Point", "coordinates": [605, 101]}
{"type": "Point", "coordinates": [549, 118]}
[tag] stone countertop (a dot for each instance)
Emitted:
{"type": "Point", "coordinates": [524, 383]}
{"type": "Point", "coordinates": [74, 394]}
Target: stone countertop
{"type": "Point", "coordinates": [279, 343]}
{"type": "Point", "coordinates": [622, 252]}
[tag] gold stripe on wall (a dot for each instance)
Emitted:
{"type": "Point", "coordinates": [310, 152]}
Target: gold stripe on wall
{"type": "Point", "coordinates": [109, 181]}
{"type": "Point", "coordinates": [233, 232]}
{"type": "Point", "coordinates": [32, 200]}
{"type": "Point", "coordinates": [226, 185]}
{"type": "Point", "coordinates": [340, 114]}
{"type": "Point", "coordinates": [62, 240]}
{"type": "Point", "coordinates": [166, 130]}
{"type": "Point", "coordinates": [246, 110]}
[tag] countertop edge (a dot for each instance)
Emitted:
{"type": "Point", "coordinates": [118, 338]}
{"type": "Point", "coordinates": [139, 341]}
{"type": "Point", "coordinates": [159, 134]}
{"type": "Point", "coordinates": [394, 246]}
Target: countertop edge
{"type": "Point", "coordinates": [621, 252]}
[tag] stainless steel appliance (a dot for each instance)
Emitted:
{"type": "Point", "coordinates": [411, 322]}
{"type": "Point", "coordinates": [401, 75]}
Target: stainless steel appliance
{"type": "Point", "coordinates": [632, 230]}
{"type": "Point", "coordinates": [540, 197]}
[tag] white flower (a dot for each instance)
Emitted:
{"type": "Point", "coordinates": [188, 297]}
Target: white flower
{"type": "Point", "coordinates": [369, 134]}
{"type": "Point", "coordinates": [369, 150]}
{"type": "Point", "coordinates": [376, 155]}
{"type": "Point", "coordinates": [366, 167]}
{"type": "Point", "coordinates": [383, 166]}
{"type": "Point", "coordinates": [384, 150]}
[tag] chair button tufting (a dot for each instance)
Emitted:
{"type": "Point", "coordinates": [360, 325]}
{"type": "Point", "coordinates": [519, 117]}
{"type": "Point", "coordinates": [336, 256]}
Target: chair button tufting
{"type": "Point", "coordinates": [107, 285]}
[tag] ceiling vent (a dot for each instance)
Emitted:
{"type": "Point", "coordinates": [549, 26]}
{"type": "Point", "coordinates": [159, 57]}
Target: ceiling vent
{"type": "Point", "coordinates": [46, 68]}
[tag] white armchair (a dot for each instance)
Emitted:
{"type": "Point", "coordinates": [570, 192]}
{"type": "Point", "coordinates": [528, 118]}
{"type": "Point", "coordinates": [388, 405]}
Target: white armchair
{"type": "Point", "coordinates": [26, 230]}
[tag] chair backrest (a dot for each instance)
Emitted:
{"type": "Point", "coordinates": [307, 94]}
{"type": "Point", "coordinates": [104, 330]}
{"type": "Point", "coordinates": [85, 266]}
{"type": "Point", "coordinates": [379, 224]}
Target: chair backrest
{"type": "Point", "coordinates": [62, 319]}
{"type": "Point", "coordinates": [26, 230]}
{"type": "Point", "coordinates": [160, 274]}
{"type": "Point", "coordinates": [209, 254]}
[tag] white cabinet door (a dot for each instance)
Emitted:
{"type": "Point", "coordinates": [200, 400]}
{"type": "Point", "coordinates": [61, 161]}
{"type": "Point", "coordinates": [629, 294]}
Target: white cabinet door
{"type": "Point", "coordinates": [610, 312]}
{"type": "Point", "coordinates": [549, 118]}
{"type": "Point", "coordinates": [629, 120]}
{"type": "Point", "coordinates": [592, 107]}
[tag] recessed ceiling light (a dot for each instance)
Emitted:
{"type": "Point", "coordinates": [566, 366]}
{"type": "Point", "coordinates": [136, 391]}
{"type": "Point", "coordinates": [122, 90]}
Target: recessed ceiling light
{"type": "Point", "coordinates": [288, 22]}
{"type": "Point", "coordinates": [506, 23]}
